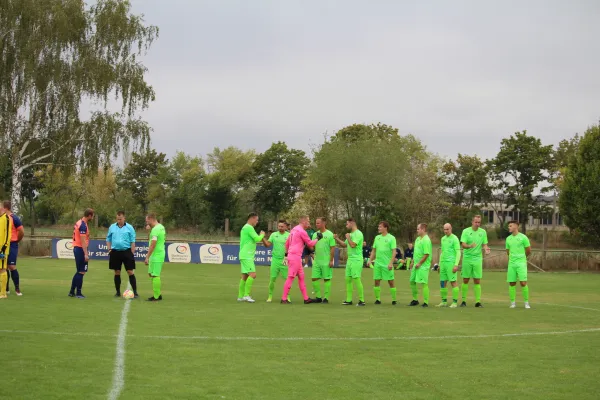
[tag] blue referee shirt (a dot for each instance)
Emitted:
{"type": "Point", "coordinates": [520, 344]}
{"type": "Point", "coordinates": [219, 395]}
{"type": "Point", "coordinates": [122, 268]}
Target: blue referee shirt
{"type": "Point", "coordinates": [121, 238]}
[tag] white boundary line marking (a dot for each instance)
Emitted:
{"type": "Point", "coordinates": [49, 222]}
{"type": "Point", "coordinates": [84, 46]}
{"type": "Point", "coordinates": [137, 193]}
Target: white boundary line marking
{"type": "Point", "coordinates": [118, 381]}
{"type": "Point", "coordinates": [120, 367]}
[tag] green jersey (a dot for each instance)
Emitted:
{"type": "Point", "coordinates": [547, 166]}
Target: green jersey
{"type": "Point", "coordinates": [278, 241]}
{"type": "Point", "coordinates": [385, 247]}
{"type": "Point", "coordinates": [516, 245]}
{"type": "Point", "coordinates": [422, 247]}
{"type": "Point", "coordinates": [477, 237]}
{"type": "Point", "coordinates": [356, 252]}
{"type": "Point", "coordinates": [450, 249]}
{"type": "Point", "coordinates": [323, 247]}
{"type": "Point", "coordinates": [159, 234]}
{"type": "Point", "coordinates": [248, 240]}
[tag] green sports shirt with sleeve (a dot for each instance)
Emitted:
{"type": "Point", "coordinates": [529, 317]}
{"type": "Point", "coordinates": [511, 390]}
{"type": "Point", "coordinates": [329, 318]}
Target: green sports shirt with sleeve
{"type": "Point", "coordinates": [423, 246]}
{"type": "Point", "coordinates": [516, 245]}
{"type": "Point", "coordinates": [278, 240]}
{"type": "Point", "coordinates": [356, 252]}
{"type": "Point", "coordinates": [248, 240]}
{"type": "Point", "coordinates": [450, 249]}
{"type": "Point", "coordinates": [158, 233]}
{"type": "Point", "coordinates": [323, 248]}
{"type": "Point", "coordinates": [385, 249]}
{"type": "Point", "coordinates": [470, 236]}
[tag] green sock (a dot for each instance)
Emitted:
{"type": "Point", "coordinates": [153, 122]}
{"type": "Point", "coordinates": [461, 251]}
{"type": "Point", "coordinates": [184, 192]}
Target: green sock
{"type": "Point", "coordinates": [393, 293]}
{"type": "Point", "coordinates": [444, 294]}
{"type": "Point", "coordinates": [249, 283]}
{"type": "Point", "coordinates": [349, 289]}
{"type": "Point", "coordinates": [477, 293]}
{"type": "Point", "coordinates": [271, 286]}
{"type": "Point", "coordinates": [156, 286]}
{"type": "Point", "coordinates": [242, 288]}
{"type": "Point", "coordinates": [525, 291]}
{"type": "Point", "coordinates": [512, 293]}
{"type": "Point", "coordinates": [361, 289]}
{"type": "Point", "coordinates": [377, 290]}
{"type": "Point", "coordinates": [317, 288]}
{"type": "Point", "coordinates": [414, 290]}
{"type": "Point", "coordinates": [327, 288]}
{"type": "Point", "coordinates": [425, 293]}
{"type": "Point", "coordinates": [455, 291]}
{"type": "Point", "coordinates": [465, 291]}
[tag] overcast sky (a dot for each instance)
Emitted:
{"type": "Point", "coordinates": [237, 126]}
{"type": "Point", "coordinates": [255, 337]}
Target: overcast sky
{"type": "Point", "coordinates": [458, 74]}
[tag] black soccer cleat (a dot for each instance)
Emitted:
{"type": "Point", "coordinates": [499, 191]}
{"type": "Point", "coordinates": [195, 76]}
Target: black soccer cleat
{"type": "Point", "coordinates": [361, 304]}
{"type": "Point", "coordinates": [136, 296]}
{"type": "Point", "coordinates": [153, 299]}
{"type": "Point", "coordinates": [80, 296]}
{"type": "Point", "coordinates": [118, 295]}
{"type": "Point", "coordinates": [413, 303]}
{"type": "Point", "coordinates": [377, 302]}
{"type": "Point", "coordinates": [347, 303]}
{"type": "Point", "coordinates": [478, 305]}
{"type": "Point", "coordinates": [394, 302]}
{"type": "Point", "coordinates": [309, 301]}
{"type": "Point", "coordinates": [318, 300]}
{"type": "Point", "coordinates": [325, 301]}
{"type": "Point", "coordinates": [425, 305]}
{"type": "Point", "coordinates": [463, 304]}
{"type": "Point", "coordinates": [285, 302]}
{"type": "Point", "coordinates": [71, 294]}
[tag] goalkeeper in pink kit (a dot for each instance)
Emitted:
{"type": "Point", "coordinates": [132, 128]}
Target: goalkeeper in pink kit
{"type": "Point", "coordinates": [294, 247]}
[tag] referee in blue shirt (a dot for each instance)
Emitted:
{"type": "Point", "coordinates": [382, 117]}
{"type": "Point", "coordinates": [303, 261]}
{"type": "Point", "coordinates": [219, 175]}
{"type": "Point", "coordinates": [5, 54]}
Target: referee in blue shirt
{"type": "Point", "coordinates": [121, 246]}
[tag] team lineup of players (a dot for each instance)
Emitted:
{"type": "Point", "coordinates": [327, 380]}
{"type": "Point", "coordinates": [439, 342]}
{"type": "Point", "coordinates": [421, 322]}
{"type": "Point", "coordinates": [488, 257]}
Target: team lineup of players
{"type": "Point", "coordinates": [289, 249]}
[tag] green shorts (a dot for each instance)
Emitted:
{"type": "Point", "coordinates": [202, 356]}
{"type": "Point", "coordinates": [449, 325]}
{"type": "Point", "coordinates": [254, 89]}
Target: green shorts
{"type": "Point", "coordinates": [354, 268]}
{"type": "Point", "coordinates": [446, 274]}
{"type": "Point", "coordinates": [278, 269]}
{"type": "Point", "coordinates": [420, 275]}
{"type": "Point", "coordinates": [517, 272]}
{"type": "Point", "coordinates": [382, 273]}
{"type": "Point", "coordinates": [472, 269]}
{"type": "Point", "coordinates": [155, 268]}
{"type": "Point", "coordinates": [322, 271]}
{"type": "Point", "coordinates": [247, 266]}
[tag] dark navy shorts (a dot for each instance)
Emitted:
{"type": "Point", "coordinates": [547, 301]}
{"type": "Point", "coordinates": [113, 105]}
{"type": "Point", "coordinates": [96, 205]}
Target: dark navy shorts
{"type": "Point", "coordinates": [80, 263]}
{"type": "Point", "coordinates": [14, 252]}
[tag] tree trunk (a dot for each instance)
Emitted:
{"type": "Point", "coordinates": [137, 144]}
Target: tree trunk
{"type": "Point", "coordinates": [524, 219]}
{"type": "Point", "coordinates": [16, 183]}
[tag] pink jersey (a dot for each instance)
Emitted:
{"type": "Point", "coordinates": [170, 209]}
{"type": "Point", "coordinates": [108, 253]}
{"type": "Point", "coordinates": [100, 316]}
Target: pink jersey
{"type": "Point", "coordinates": [297, 240]}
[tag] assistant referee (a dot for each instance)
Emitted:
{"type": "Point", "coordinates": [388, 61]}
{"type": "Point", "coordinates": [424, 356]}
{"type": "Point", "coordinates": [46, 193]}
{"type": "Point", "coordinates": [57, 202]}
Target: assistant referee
{"type": "Point", "coordinates": [121, 246]}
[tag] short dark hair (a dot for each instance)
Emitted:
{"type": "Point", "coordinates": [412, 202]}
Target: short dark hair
{"type": "Point", "coordinates": [323, 219]}
{"type": "Point", "coordinates": [151, 216]}
{"type": "Point", "coordinates": [350, 220]}
{"type": "Point", "coordinates": [88, 212]}
{"type": "Point", "coordinates": [514, 221]}
{"type": "Point", "coordinates": [7, 204]}
{"type": "Point", "coordinates": [282, 221]}
{"type": "Point", "coordinates": [121, 212]}
{"type": "Point", "coordinates": [423, 226]}
{"type": "Point", "coordinates": [385, 224]}
{"type": "Point", "coordinates": [252, 215]}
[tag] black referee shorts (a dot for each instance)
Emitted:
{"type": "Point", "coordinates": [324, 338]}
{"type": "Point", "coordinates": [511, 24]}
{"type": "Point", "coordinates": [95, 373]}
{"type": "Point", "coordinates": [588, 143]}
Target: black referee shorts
{"type": "Point", "coordinates": [118, 258]}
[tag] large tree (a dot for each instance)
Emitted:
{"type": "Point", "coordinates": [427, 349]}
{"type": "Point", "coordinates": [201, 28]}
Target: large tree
{"type": "Point", "coordinates": [278, 172]}
{"type": "Point", "coordinates": [57, 55]}
{"type": "Point", "coordinates": [580, 198]}
{"type": "Point", "coordinates": [521, 166]}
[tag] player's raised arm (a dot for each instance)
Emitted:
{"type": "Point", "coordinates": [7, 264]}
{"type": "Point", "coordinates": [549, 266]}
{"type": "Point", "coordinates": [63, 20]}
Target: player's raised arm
{"type": "Point", "coordinates": [306, 239]}
{"type": "Point", "coordinates": [350, 242]}
{"type": "Point", "coordinates": [340, 242]}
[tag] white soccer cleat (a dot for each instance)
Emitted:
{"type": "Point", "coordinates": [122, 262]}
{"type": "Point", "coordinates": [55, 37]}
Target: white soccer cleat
{"type": "Point", "coordinates": [248, 299]}
{"type": "Point", "coordinates": [18, 292]}
{"type": "Point", "coordinates": [269, 300]}
{"type": "Point", "coordinates": [8, 292]}
{"type": "Point", "coordinates": [513, 305]}
{"type": "Point", "coordinates": [240, 299]}
{"type": "Point", "coordinates": [527, 305]}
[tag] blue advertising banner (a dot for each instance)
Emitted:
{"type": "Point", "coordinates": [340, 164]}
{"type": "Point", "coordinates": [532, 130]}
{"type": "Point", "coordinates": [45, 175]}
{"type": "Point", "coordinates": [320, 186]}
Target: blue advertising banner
{"type": "Point", "coordinates": [195, 253]}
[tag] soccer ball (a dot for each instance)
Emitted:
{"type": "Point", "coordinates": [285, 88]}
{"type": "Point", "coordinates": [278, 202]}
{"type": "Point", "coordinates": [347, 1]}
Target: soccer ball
{"type": "Point", "coordinates": [128, 294]}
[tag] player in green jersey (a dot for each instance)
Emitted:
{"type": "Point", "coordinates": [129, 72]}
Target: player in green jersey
{"type": "Point", "coordinates": [354, 264]}
{"type": "Point", "coordinates": [383, 254]}
{"type": "Point", "coordinates": [278, 264]}
{"type": "Point", "coordinates": [518, 249]}
{"type": "Point", "coordinates": [449, 261]}
{"type": "Point", "coordinates": [156, 255]}
{"type": "Point", "coordinates": [323, 263]}
{"type": "Point", "coordinates": [248, 240]}
{"type": "Point", "coordinates": [420, 271]}
{"type": "Point", "coordinates": [473, 240]}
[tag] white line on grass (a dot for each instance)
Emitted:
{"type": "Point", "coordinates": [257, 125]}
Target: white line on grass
{"type": "Point", "coordinates": [118, 381]}
{"type": "Point", "coordinates": [119, 367]}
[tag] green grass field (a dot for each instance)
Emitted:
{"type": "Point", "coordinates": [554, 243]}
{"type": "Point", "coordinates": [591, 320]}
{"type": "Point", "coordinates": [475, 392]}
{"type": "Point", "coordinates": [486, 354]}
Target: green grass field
{"type": "Point", "coordinates": [199, 343]}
